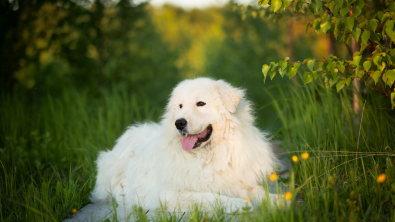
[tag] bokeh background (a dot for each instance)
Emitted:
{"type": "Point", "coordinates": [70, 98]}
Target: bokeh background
{"type": "Point", "coordinates": [76, 73]}
{"type": "Point", "coordinates": [142, 49]}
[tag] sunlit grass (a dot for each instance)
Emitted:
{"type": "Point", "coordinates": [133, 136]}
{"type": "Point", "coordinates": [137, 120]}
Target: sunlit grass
{"type": "Point", "coordinates": [48, 148]}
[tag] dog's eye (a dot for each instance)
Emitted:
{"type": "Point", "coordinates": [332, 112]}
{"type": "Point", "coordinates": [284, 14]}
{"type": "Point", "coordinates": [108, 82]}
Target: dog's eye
{"type": "Point", "coordinates": [200, 103]}
{"type": "Point", "coordinates": [180, 106]}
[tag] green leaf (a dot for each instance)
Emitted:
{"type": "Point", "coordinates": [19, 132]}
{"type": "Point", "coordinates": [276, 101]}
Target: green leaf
{"type": "Point", "coordinates": [282, 72]}
{"type": "Point", "coordinates": [359, 72]}
{"type": "Point", "coordinates": [297, 5]}
{"type": "Point", "coordinates": [367, 65]}
{"type": "Point", "coordinates": [355, 34]}
{"type": "Point", "coordinates": [373, 24]}
{"type": "Point", "coordinates": [389, 29]}
{"type": "Point", "coordinates": [382, 67]}
{"type": "Point", "coordinates": [286, 3]}
{"type": "Point", "coordinates": [273, 66]}
{"type": "Point", "coordinates": [309, 24]}
{"type": "Point", "coordinates": [361, 4]}
{"type": "Point", "coordinates": [317, 26]}
{"type": "Point", "coordinates": [365, 36]}
{"type": "Point", "coordinates": [348, 80]}
{"type": "Point", "coordinates": [339, 2]}
{"type": "Point", "coordinates": [318, 7]}
{"type": "Point", "coordinates": [293, 70]}
{"type": "Point", "coordinates": [343, 11]}
{"type": "Point", "coordinates": [362, 23]}
{"type": "Point", "coordinates": [311, 64]}
{"type": "Point", "coordinates": [377, 59]}
{"type": "Point", "coordinates": [325, 26]}
{"type": "Point", "coordinates": [393, 100]}
{"type": "Point", "coordinates": [263, 2]}
{"type": "Point", "coordinates": [332, 6]}
{"type": "Point", "coordinates": [376, 76]}
{"type": "Point", "coordinates": [265, 69]}
{"type": "Point", "coordinates": [310, 9]}
{"type": "Point", "coordinates": [276, 4]}
{"type": "Point", "coordinates": [357, 11]}
{"type": "Point", "coordinates": [350, 22]}
{"type": "Point", "coordinates": [340, 85]}
{"type": "Point", "coordinates": [390, 74]}
{"type": "Point", "coordinates": [333, 81]}
{"type": "Point", "coordinates": [272, 74]}
{"type": "Point", "coordinates": [385, 17]}
{"type": "Point", "coordinates": [315, 75]}
{"type": "Point", "coordinates": [357, 58]}
{"type": "Point", "coordinates": [380, 14]}
{"type": "Point", "coordinates": [375, 37]}
{"type": "Point", "coordinates": [342, 68]}
{"type": "Point", "coordinates": [335, 10]}
{"type": "Point", "coordinates": [283, 65]}
{"type": "Point", "coordinates": [307, 77]}
{"type": "Point", "coordinates": [338, 27]}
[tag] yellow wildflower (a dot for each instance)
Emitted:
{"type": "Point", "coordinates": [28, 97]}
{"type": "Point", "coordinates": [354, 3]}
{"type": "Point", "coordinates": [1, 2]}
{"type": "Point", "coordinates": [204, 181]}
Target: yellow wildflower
{"type": "Point", "coordinates": [74, 211]}
{"type": "Point", "coordinates": [305, 155]}
{"type": "Point", "coordinates": [294, 158]}
{"type": "Point", "coordinates": [273, 176]}
{"type": "Point", "coordinates": [381, 178]}
{"type": "Point", "coordinates": [247, 199]}
{"type": "Point", "coordinates": [288, 195]}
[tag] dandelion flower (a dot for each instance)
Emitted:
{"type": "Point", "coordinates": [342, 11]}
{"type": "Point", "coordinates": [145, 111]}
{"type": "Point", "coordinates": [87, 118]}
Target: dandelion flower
{"type": "Point", "coordinates": [305, 155]}
{"type": "Point", "coordinates": [381, 178]}
{"type": "Point", "coordinates": [74, 211]}
{"type": "Point", "coordinates": [273, 176]}
{"type": "Point", "coordinates": [288, 195]}
{"type": "Point", "coordinates": [294, 158]}
{"type": "Point", "coordinates": [247, 199]}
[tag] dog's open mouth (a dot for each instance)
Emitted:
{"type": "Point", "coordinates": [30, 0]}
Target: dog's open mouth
{"type": "Point", "coordinates": [193, 141]}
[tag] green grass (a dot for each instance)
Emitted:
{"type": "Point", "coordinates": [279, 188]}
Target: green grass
{"type": "Point", "coordinates": [48, 147]}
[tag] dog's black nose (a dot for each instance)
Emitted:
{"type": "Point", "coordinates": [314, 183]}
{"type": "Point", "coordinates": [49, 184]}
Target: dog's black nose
{"type": "Point", "coordinates": [181, 123]}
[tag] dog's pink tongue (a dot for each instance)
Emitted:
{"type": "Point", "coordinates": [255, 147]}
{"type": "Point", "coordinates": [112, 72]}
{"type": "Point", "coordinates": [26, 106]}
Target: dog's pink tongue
{"type": "Point", "coordinates": [188, 142]}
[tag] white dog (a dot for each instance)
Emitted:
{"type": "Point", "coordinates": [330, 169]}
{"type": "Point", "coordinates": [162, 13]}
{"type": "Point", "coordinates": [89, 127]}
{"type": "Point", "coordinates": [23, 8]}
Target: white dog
{"type": "Point", "coordinates": [205, 150]}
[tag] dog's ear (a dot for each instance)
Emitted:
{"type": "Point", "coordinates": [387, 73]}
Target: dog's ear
{"type": "Point", "coordinates": [229, 95]}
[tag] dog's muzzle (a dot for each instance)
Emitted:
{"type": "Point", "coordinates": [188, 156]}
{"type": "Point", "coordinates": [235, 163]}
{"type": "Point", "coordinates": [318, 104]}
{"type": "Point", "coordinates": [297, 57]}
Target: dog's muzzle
{"type": "Point", "coordinates": [181, 124]}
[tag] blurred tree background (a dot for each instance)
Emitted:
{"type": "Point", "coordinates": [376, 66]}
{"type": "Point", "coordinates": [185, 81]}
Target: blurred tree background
{"type": "Point", "coordinates": [49, 47]}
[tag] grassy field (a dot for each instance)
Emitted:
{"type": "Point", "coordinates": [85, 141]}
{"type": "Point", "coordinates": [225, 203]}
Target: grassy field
{"type": "Point", "coordinates": [48, 148]}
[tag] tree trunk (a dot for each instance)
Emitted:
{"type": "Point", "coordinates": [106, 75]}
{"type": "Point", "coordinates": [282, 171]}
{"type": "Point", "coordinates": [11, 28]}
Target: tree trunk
{"type": "Point", "coordinates": [331, 44]}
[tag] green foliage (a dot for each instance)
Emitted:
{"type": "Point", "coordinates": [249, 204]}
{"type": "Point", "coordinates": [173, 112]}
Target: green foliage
{"type": "Point", "coordinates": [344, 172]}
{"type": "Point", "coordinates": [369, 23]}
{"type": "Point", "coordinates": [54, 46]}
{"type": "Point", "coordinates": [48, 153]}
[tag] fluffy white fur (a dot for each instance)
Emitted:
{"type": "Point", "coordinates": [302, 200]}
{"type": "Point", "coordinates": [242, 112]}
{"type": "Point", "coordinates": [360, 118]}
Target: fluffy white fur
{"type": "Point", "coordinates": [149, 167]}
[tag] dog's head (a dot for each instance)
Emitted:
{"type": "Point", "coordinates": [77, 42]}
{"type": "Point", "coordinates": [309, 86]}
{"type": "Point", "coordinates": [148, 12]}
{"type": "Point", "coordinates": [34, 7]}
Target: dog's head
{"type": "Point", "coordinates": [200, 107]}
